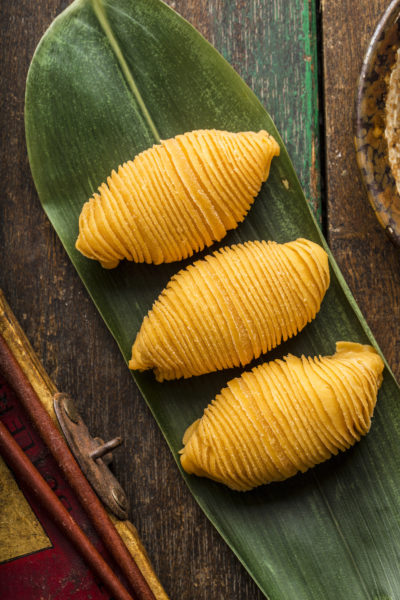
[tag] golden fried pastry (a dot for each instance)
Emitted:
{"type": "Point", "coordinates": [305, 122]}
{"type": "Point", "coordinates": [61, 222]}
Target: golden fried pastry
{"type": "Point", "coordinates": [284, 416]}
{"type": "Point", "coordinates": [227, 309]}
{"type": "Point", "coordinates": [176, 197]}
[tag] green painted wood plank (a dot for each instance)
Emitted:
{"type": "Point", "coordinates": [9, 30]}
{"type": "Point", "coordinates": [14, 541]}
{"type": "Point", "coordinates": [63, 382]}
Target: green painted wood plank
{"type": "Point", "coordinates": [272, 44]}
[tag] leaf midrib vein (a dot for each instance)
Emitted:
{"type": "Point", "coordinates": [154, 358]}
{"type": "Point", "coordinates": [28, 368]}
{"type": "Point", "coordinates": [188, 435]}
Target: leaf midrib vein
{"type": "Point", "coordinates": [99, 10]}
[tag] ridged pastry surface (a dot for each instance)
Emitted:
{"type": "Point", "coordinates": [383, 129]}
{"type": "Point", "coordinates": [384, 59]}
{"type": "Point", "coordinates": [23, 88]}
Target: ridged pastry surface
{"type": "Point", "coordinates": [175, 198]}
{"type": "Point", "coordinates": [285, 416]}
{"type": "Point", "coordinates": [231, 307]}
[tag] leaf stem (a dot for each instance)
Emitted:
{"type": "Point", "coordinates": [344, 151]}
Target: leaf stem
{"type": "Point", "coordinates": [98, 8]}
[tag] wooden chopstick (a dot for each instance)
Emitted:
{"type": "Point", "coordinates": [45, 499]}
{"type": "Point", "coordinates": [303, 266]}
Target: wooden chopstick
{"type": "Point", "coordinates": [18, 461]}
{"type": "Point", "coordinates": [73, 474]}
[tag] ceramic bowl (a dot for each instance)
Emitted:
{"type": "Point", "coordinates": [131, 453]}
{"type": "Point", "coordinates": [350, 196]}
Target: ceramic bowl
{"type": "Point", "coordinates": [370, 141]}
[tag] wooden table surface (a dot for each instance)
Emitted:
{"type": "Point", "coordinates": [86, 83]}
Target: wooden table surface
{"type": "Point", "coordinates": [315, 116]}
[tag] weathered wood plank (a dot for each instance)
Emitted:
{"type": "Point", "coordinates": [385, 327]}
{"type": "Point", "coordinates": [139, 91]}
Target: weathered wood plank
{"type": "Point", "coordinates": [368, 260]}
{"type": "Point", "coordinates": [271, 44]}
{"type": "Point", "coordinates": [273, 47]}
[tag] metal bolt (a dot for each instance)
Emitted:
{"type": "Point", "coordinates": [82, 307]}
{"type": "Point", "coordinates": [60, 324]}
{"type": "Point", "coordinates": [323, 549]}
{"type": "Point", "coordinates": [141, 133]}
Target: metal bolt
{"type": "Point", "coordinates": [105, 448]}
{"type": "Point", "coordinates": [119, 497]}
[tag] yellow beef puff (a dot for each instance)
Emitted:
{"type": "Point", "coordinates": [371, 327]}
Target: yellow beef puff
{"type": "Point", "coordinates": [230, 307]}
{"type": "Point", "coordinates": [176, 197]}
{"type": "Point", "coordinates": [284, 417]}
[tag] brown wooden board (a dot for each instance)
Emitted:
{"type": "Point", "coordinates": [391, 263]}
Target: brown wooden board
{"type": "Point", "coordinates": [63, 325]}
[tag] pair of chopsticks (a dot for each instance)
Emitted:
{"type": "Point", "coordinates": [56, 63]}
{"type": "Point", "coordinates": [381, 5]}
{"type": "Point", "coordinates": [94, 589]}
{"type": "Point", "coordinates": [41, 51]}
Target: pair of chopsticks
{"type": "Point", "coordinates": [23, 468]}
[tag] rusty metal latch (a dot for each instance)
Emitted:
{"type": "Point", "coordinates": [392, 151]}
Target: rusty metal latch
{"type": "Point", "coordinates": [92, 454]}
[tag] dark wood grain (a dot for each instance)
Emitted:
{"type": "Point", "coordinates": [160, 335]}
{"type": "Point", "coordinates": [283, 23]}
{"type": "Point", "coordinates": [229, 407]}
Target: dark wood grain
{"type": "Point", "coordinates": [64, 326]}
{"type": "Point", "coordinates": [76, 348]}
{"type": "Point", "coordinates": [368, 260]}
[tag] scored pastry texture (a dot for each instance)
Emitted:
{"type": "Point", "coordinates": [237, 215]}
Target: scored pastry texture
{"type": "Point", "coordinates": [175, 198]}
{"type": "Point", "coordinates": [231, 307]}
{"type": "Point", "coordinates": [285, 416]}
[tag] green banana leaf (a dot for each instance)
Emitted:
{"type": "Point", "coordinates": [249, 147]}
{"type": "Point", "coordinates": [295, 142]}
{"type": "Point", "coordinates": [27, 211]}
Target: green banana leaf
{"type": "Point", "coordinates": [333, 533]}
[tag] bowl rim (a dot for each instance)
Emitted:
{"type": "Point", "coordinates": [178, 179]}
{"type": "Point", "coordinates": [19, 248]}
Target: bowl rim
{"type": "Point", "coordinates": [389, 17]}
